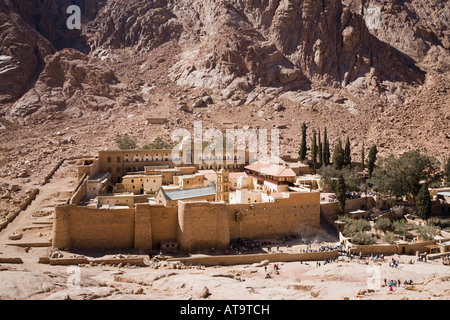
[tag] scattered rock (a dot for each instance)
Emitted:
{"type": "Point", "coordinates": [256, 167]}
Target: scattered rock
{"type": "Point", "coordinates": [205, 293]}
{"type": "Point", "coordinates": [56, 255]}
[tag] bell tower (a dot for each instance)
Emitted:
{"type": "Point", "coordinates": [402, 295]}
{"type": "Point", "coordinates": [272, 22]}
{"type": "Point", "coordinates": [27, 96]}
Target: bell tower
{"type": "Point", "coordinates": [223, 186]}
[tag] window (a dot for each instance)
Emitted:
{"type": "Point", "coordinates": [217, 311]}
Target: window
{"type": "Point", "coordinates": [118, 159]}
{"type": "Point", "coordinates": [132, 180]}
{"type": "Point", "coordinates": [109, 159]}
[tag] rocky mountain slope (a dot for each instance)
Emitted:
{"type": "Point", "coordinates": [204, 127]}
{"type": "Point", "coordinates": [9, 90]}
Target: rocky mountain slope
{"type": "Point", "coordinates": [258, 63]}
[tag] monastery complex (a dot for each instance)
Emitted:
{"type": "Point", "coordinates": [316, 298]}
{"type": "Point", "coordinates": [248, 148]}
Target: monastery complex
{"type": "Point", "coordinates": [141, 199]}
{"type": "Point", "coordinates": [147, 199]}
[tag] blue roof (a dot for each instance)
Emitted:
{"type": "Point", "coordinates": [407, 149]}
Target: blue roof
{"type": "Point", "coordinates": [189, 193]}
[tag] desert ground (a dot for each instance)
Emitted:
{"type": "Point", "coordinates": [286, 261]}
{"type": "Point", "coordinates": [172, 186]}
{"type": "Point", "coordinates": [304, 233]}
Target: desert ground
{"type": "Point", "coordinates": [344, 278]}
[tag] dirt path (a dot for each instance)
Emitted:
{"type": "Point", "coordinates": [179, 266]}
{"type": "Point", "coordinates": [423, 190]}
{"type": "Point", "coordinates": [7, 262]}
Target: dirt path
{"type": "Point", "coordinates": [35, 222]}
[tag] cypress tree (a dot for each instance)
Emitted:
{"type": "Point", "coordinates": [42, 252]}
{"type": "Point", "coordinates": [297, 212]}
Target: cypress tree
{"type": "Point", "coordinates": [347, 153]}
{"type": "Point", "coordinates": [338, 156]}
{"type": "Point", "coordinates": [372, 158]}
{"type": "Point", "coordinates": [340, 193]}
{"type": "Point", "coordinates": [326, 149]}
{"type": "Point", "coordinates": [424, 202]}
{"type": "Point", "coordinates": [302, 151]}
{"type": "Point", "coordinates": [314, 151]}
{"type": "Point", "coordinates": [319, 150]}
{"type": "Point", "coordinates": [363, 157]}
{"type": "Point", "coordinates": [447, 172]}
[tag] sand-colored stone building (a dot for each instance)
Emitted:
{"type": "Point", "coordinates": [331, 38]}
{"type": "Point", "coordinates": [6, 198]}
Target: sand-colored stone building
{"type": "Point", "coordinates": [270, 177]}
{"type": "Point", "coordinates": [193, 218]}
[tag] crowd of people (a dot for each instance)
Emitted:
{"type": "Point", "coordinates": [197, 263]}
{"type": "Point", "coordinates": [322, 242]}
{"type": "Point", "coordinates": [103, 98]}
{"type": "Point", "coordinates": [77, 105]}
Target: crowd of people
{"type": "Point", "coordinates": [243, 245]}
{"type": "Point", "coordinates": [396, 283]}
{"type": "Point", "coordinates": [393, 263]}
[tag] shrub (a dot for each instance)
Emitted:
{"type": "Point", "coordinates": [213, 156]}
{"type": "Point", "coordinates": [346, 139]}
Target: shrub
{"type": "Point", "coordinates": [400, 228]}
{"type": "Point", "coordinates": [363, 225]}
{"type": "Point", "coordinates": [352, 228]}
{"type": "Point", "coordinates": [361, 238]}
{"type": "Point", "coordinates": [349, 230]}
{"type": "Point", "coordinates": [427, 233]}
{"type": "Point", "coordinates": [126, 142]}
{"type": "Point", "coordinates": [344, 218]}
{"type": "Point", "coordinates": [383, 224]}
{"type": "Point", "coordinates": [158, 144]}
{"type": "Point", "coordinates": [441, 223]}
{"type": "Point", "coordinates": [389, 237]}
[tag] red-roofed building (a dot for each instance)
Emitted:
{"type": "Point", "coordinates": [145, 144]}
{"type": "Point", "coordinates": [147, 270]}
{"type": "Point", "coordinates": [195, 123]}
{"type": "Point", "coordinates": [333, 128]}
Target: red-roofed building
{"type": "Point", "coordinates": [270, 177]}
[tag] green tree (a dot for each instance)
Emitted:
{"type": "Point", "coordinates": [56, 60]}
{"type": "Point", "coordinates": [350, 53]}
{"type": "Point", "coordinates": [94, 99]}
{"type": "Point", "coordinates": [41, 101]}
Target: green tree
{"type": "Point", "coordinates": [447, 172]}
{"type": "Point", "coordinates": [329, 177]}
{"type": "Point", "coordinates": [383, 224]}
{"type": "Point", "coordinates": [341, 190]}
{"type": "Point", "coordinates": [400, 228]}
{"type": "Point", "coordinates": [363, 225]}
{"type": "Point", "coordinates": [158, 144]}
{"type": "Point", "coordinates": [303, 147]}
{"type": "Point", "coordinates": [372, 158]}
{"type": "Point", "coordinates": [319, 150]}
{"type": "Point", "coordinates": [326, 149]}
{"type": "Point", "coordinates": [361, 238]}
{"type": "Point", "coordinates": [426, 233]}
{"type": "Point", "coordinates": [389, 237]}
{"type": "Point", "coordinates": [424, 203]}
{"type": "Point", "coordinates": [354, 227]}
{"type": "Point", "coordinates": [314, 151]}
{"type": "Point", "coordinates": [338, 156]}
{"type": "Point", "coordinates": [126, 142]}
{"type": "Point", "coordinates": [403, 176]}
{"type": "Point", "coordinates": [347, 153]}
{"type": "Point", "coordinates": [363, 157]}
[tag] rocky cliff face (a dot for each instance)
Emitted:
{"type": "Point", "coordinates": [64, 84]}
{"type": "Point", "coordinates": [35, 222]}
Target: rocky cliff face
{"type": "Point", "coordinates": [277, 63]}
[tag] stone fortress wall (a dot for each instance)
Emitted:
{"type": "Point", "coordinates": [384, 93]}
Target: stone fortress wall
{"type": "Point", "coordinates": [194, 225]}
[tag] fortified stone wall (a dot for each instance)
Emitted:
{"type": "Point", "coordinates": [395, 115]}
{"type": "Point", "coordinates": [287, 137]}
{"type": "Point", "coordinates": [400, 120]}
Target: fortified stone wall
{"type": "Point", "coordinates": [195, 225]}
{"type": "Point", "coordinates": [202, 225]}
{"type": "Point", "coordinates": [154, 224]}
{"type": "Point", "coordinates": [296, 214]}
{"type": "Point", "coordinates": [83, 227]}
{"type": "Point", "coordinates": [213, 225]}
{"type": "Point", "coordinates": [331, 209]}
{"type": "Point", "coordinates": [80, 191]}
